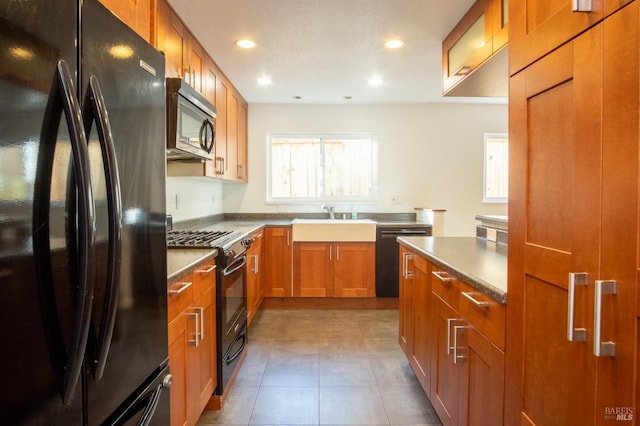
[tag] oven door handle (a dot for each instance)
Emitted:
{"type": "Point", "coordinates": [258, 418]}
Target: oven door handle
{"type": "Point", "coordinates": [230, 358]}
{"type": "Point", "coordinates": [235, 266]}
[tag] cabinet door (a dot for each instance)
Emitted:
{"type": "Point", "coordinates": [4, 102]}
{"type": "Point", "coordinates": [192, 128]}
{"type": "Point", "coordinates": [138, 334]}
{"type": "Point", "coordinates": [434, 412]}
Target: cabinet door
{"type": "Point", "coordinates": [172, 40]}
{"type": "Point", "coordinates": [421, 353]}
{"type": "Point", "coordinates": [445, 373]}
{"type": "Point", "coordinates": [136, 14]}
{"type": "Point", "coordinates": [539, 26]}
{"type": "Point", "coordinates": [482, 386]}
{"type": "Point", "coordinates": [202, 376]}
{"type": "Point", "coordinates": [231, 160]}
{"type": "Point", "coordinates": [555, 108]}
{"type": "Point", "coordinates": [574, 121]}
{"type": "Point", "coordinates": [255, 290]}
{"type": "Point", "coordinates": [277, 262]}
{"type": "Point", "coordinates": [405, 300]}
{"type": "Point", "coordinates": [313, 269]}
{"type": "Point", "coordinates": [354, 270]}
{"type": "Point", "coordinates": [178, 346]}
{"type": "Point", "coordinates": [195, 66]}
{"type": "Point", "coordinates": [222, 90]}
{"type": "Point", "coordinates": [242, 141]}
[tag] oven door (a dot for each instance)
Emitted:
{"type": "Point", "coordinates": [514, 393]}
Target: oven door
{"type": "Point", "coordinates": [232, 318]}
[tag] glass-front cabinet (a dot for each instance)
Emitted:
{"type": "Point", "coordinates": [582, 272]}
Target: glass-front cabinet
{"type": "Point", "coordinates": [481, 33]}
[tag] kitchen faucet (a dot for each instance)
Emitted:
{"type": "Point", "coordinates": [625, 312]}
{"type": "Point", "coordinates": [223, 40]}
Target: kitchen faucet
{"type": "Point", "coordinates": [330, 209]}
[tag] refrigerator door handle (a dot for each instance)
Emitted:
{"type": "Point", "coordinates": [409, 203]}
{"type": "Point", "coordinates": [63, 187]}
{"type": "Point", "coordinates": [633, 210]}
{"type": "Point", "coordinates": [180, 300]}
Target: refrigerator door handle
{"type": "Point", "coordinates": [94, 109]}
{"type": "Point", "coordinates": [62, 99]}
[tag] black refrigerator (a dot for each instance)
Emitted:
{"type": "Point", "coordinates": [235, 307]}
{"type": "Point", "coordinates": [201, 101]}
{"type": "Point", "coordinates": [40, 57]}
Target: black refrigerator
{"type": "Point", "coordinates": [83, 316]}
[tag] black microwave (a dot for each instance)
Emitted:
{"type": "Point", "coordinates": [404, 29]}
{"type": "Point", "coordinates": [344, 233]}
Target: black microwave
{"type": "Point", "coordinates": [191, 131]}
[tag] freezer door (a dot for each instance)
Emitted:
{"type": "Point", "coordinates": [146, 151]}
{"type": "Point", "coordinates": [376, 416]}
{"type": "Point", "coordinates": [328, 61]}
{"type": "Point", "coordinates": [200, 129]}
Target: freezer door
{"type": "Point", "coordinates": [128, 334]}
{"type": "Point", "coordinates": [37, 316]}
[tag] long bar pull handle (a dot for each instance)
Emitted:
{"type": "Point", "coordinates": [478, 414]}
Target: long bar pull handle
{"type": "Point", "coordinates": [443, 276]}
{"type": "Point", "coordinates": [406, 272]}
{"type": "Point", "coordinates": [181, 287]}
{"type": "Point", "coordinates": [575, 334]}
{"type": "Point", "coordinates": [456, 357]}
{"type": "Point", "coordinates": [476, 302]}
{"type": "Point", "coordinates": [257, 263]}
{"type": "Point", "coordinates": [196, 337]}
{"type": "Point", "coordinates": [581, 6]}
{"type": "Point", "coordinates": [206, 271]}
{"type": "Point", "coordinates": [337, 253]}
{"type": "Point", "coordinates": [600, 348]}
{"type": "Point", "coordinates": [201, 310]}
{"type": "Point", "coordinates": [450, 322]}
{"type": "Point", "coordinates": [330, 253]}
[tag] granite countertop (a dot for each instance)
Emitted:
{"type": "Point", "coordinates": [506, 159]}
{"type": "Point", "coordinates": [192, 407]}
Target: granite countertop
{"type": "Point", "coordinates": [480, 263]}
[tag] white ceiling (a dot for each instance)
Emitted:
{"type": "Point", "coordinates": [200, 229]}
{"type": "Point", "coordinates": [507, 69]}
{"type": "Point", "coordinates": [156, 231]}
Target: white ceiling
{"type": "Point", "coordinates": [324, 50]}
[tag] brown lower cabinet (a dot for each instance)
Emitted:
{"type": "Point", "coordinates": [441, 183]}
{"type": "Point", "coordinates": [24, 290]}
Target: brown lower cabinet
{"type": "Point", "coordinates": [344, 269]}
{"type": "Point", "coordinates": [192, 343]}
{"type": "Point", "coordinates": [255, 284]}
{"type": "Point", "coordinates": [453, 337]}
{"type": "Point", "coordinates": [277, 261]}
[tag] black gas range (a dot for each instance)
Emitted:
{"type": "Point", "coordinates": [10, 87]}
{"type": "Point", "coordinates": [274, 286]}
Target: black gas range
{"type": "Point", "coordinates": [231, 291]}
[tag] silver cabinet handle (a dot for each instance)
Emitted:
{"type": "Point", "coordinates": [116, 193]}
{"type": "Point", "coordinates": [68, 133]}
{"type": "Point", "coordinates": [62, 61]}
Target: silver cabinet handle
{"type": "Point", "coordinates": [183, 287]}
{"type": "Point", "coordinates": [330, 253]}
{"type": "Point", "coordinates": [450, 321]}
{"type": "Point", "coordinates": [212, 268]}
{"type": "Point", "coordinates": [337, 253]}
{"type": "Point", "coordinates": [479, 303]}
{"type": "Point", "coordinates": [443, 276]}
{"type": "Point", "coordinates": [288, 237]}
{"type": "Point", "coordinates": [575, 334]}
{"type": "Point", "coordinates": [406, 273]}
{"type": "Point", "coordinates": [196, 336]}
{"type": "Point", "coordinates": [456, 357]}
{"type": "Point", "coordinates": [201, 322]}
{"type": "Point", "coordinates": [581, 6]}
{"type": "Point", "coordinates": [255, 263]}
{"type": "Point", "coordinates": [600, 348]}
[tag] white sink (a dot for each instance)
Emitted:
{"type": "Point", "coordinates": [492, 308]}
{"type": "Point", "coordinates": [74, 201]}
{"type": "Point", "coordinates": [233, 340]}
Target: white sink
{"type": "Point", "coordinates": [356, 230]}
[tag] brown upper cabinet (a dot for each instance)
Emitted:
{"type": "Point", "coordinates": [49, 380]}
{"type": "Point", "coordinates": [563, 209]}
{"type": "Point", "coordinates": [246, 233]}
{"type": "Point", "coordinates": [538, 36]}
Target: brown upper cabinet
{"type": "Point", "coordinates": [540, 26]}
{"type": "Point", "coordinates": [137, 14]}
{"type": "Point", "coordinates": [474, 54]}
{"type": "Point", "coordinates": [187, 59]}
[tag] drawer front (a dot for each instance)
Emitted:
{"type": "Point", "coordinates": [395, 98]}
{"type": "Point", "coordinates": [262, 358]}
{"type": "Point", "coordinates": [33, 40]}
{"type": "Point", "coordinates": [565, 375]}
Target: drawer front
{"type": "Point", "coordinates": [445, 286]}
{"type": "Point", "coordinates": [204, 278]}
{"type": "Point", "coordinates": [179, 296]}
{"type": "Point", "coordinates": [483, 313]}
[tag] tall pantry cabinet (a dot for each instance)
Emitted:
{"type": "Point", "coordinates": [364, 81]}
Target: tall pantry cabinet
{"type": "Point", "coordinates": [571, 353]}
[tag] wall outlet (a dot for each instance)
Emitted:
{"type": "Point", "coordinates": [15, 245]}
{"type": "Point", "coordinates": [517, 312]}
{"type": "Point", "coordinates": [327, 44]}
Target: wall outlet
{"type": "Point", "coordinates": [178, 200]}
{"type": "Point", "coordinates": [397, 199]}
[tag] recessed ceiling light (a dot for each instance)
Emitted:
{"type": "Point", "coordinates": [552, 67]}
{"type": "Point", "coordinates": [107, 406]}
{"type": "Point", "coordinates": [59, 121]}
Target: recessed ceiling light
{"type": "Point", "coordinates": [375, 80]}
{"type": "Point", "coordinates": [246, 43]}
{"type": "Point", "coordinates": [394, 44]}
{"type": "Point", "coordinates": [264, 81]}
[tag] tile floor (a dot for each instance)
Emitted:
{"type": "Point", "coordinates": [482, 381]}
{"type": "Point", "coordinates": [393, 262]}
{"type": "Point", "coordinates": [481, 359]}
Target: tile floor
{"type": "Point", "coordinates": [324, 367]}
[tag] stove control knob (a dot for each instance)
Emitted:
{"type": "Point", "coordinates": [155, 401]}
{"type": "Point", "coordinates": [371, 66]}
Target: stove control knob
{"type": "Point", "coordinates": [246, 242]}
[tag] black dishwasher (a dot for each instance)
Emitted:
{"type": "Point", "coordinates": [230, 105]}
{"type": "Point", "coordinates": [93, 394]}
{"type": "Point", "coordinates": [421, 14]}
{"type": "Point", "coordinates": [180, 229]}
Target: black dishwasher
{"type": "Point", "coordinates": [387, 254]}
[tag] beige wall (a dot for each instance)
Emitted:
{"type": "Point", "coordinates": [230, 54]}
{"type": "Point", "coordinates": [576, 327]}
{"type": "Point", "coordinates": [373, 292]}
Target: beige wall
{"type": "Point", "coordinates": [429, 155]}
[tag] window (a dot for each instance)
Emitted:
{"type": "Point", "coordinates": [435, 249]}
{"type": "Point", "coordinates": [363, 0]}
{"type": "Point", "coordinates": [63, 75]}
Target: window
{"type": "Point", "coordinates": [496, 168]}
{"type": "Point", "coordinates": [325, 167]}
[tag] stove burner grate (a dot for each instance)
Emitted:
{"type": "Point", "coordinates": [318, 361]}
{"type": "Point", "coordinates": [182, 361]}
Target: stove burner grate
{"type": "Point", "coordinates": [196, 239]}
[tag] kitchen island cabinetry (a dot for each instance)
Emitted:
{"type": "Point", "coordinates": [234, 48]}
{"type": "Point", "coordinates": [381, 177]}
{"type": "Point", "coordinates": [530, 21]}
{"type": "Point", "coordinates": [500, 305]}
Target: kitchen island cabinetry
{"type": "Point", "coordinates": [344, 269]}
{"type": "Point", "coordinates": [255, 283]}
{"type": "Point", "coordinates": [573, 119]}
{"type": "Point", "coordinates": [192, 343]}
{"type": "Point", "coordinates": [277, 261]}
{"type": "Point", "coordinates": [453, 331]}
